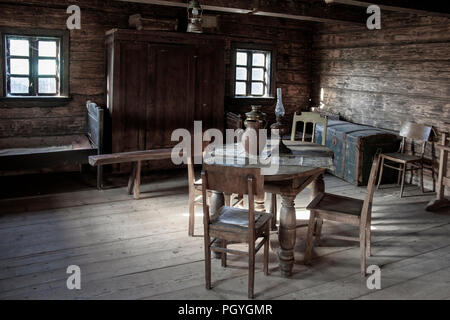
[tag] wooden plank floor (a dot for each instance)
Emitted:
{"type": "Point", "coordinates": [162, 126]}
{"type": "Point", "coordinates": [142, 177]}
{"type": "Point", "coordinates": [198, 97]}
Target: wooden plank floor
{"type": "Point", "coordinates": [129, 249]}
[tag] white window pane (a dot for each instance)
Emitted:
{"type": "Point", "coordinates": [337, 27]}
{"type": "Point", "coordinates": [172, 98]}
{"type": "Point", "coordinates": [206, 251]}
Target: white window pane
{"type": "Point", "coordinates": [257, 89]}
{"type": "Point", "coordinates": [19, 85]}
{"type": "Point", "coordinates": [47, 48]}
{"type": "Point", "coordinates": [47, 67]}
{"type": "Point", "coordinates": [240, 88]}
{"type": "Point", "coordinates": [47, 85]}
{"type": "Point", "coordinates": [259, 59]}
{"type": "Point", "coordinates": [19, 48]}
{"type": "Point", "coordinates": [241, 74]}
{"type": "Point", "coordinates": [19, 66]}
{"type": "Point", "coordinates": [258, 74]}
{"type": "Point", "coordinates": [241, 58]}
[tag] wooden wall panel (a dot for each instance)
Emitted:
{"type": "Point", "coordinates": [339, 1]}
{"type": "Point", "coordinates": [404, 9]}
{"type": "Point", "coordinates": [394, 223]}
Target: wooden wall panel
{"type": "Point", "coordinates": [388, 76]}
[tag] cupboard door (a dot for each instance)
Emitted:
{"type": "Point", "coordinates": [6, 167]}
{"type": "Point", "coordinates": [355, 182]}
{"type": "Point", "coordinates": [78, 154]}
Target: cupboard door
{"type": "Point", "coordinates": [130, 97]}
{"type": "Point", "coordinates": [170, 93]}
{"type": "Point", "coordinates": [210, 86]}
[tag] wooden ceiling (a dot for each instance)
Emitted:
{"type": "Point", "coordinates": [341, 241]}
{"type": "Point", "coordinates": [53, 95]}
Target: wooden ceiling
{"type": "Point", "coordinates": [312, 10]}
{"type": "Point", "coordinates": [428, 7]}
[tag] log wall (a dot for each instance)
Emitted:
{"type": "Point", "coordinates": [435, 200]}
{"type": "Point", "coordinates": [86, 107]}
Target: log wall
{"type": "Point", "coordinates": [42, 126]}
{"type": "Point", "coordinates": [385, 77]}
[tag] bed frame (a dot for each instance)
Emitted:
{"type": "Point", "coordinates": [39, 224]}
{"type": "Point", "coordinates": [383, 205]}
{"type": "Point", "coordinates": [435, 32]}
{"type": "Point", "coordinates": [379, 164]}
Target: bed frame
{"type": "Point", "coordinates": [58, 156]}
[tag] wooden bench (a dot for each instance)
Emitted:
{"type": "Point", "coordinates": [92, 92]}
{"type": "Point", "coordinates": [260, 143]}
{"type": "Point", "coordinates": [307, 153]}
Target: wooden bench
{"type": "Point", "coordinates": [443, 179]}
{"type": "Point", "coordinates": [136, 158]}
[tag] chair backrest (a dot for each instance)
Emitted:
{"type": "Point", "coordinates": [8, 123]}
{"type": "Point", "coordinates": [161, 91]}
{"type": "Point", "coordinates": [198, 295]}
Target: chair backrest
{"type": "Point", "coordinates": [367, 206]}
{"type": "Point", "coordinates": [414, 131]}
{"type": "Point", "coordinates": [231, 179]}
{"type": "Point", "coordinates": [309, 117]}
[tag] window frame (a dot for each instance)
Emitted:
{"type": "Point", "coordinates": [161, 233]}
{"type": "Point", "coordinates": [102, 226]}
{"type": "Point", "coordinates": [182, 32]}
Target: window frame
{"type": "Point", "coordinates": [62, 72]}
{"type": "Point", "coordinates": [269, 68]}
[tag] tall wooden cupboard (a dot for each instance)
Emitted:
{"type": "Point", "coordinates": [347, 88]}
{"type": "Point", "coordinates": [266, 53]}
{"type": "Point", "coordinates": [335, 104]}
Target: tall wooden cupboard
{"type": "Point", "coordinates": [161, 81]}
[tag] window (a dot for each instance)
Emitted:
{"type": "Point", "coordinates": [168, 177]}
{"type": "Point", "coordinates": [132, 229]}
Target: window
{"type": "Point", "coordinates": [252, 73]}
{"type": "Point", "coordinates": [34, 64]}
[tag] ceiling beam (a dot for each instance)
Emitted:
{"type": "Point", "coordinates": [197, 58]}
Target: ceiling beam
{"type": "Point", "coordinates": [315, 11]}
{"type": "Point", "coordinates": [428, 7]}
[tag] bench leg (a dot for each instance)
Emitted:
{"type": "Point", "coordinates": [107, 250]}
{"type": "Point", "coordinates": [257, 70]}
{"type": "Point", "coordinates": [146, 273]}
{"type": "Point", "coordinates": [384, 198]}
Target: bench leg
{"type": "Point", "coordinates": [132, 178]}
{"type": "Point", "coordinates": [99, 177]}
{"type": "Point", "coordinates": [137, 181]}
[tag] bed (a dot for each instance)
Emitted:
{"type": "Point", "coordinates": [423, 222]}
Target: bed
{"type": "Point", "coordinates": [74, 153]}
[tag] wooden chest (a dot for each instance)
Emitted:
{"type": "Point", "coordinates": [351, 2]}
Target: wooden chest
{"type": "Point", "coordinates": [354, 146]}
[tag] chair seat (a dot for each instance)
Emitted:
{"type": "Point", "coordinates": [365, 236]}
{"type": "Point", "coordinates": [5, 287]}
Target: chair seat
{"type": "Point", "coordinates": [337, 204]}
{"type": "Point", "coordinates": [235, 219]}
{"type": "Point", "coordinates": [402, 157]}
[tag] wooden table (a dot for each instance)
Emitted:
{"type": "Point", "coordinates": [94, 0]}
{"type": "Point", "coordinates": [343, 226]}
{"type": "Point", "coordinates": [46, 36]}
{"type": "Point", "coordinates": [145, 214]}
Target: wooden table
{"type": "Point", "coordinates": [303, 167]}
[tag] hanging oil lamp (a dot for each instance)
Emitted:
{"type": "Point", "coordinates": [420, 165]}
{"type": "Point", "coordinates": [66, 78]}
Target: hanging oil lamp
{"type": "Point", "coordinates": [195, 12]}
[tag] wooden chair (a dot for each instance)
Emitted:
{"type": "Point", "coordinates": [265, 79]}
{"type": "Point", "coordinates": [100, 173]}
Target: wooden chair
{"type": "Point", "coordinates": [346, 210]}
{"type": "Point", "coordinates": [234, 121]}
{"type": "Point", "coordinates": [412, 131]}
{"type": "Point", "coordinates": [309, 117]}
{"type": "Point", "coordinates": [233, 224]}
{"type": "Point", "coordinates": [305, 117]}
{"type": "Point", "coordinates": [443, 179]}
{"type": "Point", "coordinates": [195, 195]}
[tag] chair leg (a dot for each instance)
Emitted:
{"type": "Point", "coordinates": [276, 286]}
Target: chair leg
{"type": "Point", "coordinates": [318, 231]}
{"type": "Point", "coordinates": [381, 172]}
{"type": "Point", "coordinates": [266, 250]}
{"type": "Point", "coordinates": [251, 268]}
{"type": "Point", "coordinates": [399, 177]}
{"type": "Point", "coordinates": [421, 180]}
{"type": "Point", "coordinates": [273, 210]}
{"type": "Point", "coordinates": [207, 262]}
{"type": "Point", "coordinates": [240, 200]}
{"type": "Point", "coordinates": [362, 244]}
{"type": "Point", "coordinates": [402, 186]}
{"type": "Point", "coordinates": [411, 176]}
{"type": "Point", "coordinates": [368, 241]}
{"type": "Point", "coordinates": [227, 197]}
{"type": "Point", "coordinates": [309, 238]}
{"type": "Point", "coordinates": [191, 214]}
{"type": "Point", "coordinates": [432, 177]}
{"type": "Point", "coordinates": [224, 254]}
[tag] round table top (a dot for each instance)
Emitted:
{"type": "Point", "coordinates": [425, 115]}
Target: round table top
{"type": "Point", "coordinates": [306, 159]}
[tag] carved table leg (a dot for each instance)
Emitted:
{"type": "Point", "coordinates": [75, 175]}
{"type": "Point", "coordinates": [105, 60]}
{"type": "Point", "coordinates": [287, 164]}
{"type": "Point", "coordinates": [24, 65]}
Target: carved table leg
{"type": "Point", "coordinates": [260, 202]}
{"type": "Point", "coordinates": [318, 186]}
{"type": "Point", "coordinates": [286, 234]}
{"type": "Point", "coordinates": [216, 201]}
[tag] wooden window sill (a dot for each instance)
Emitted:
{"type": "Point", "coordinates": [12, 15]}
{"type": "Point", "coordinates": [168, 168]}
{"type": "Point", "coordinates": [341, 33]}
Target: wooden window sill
{"type": "Point", "coordinates": [34, 101]}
